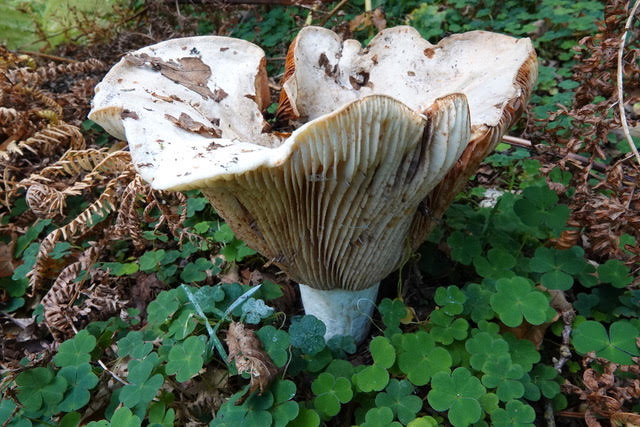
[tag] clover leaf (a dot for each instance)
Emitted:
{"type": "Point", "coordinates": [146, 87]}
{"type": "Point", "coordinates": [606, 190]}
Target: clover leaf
{"type": "Point", "coordinates": [307, 333]}
{"type": "Point", "coordinates": [457, 392]}
{"type": "Point", "coordinates": [183, 325]}
{"type": "Point", "coordinates": [40, 391]}
{"type": "Point", "coordinates": [151, 259]}
{"type": "Point", "coordinates": [615, 272]}
{"type": "Point", "coordinates": [80, 380]}
{"type": "Point", "coordinates": [341, 345]}
{"type": "Point", "coordinates": [75, 351]}
{"type": "Point", "coordinates": [276, 343]}
{"type": "Point", "coordinates": [543, 376]}
{"type": "Point", "coordinates": [498, 263]}
{"type": "Point", "coordinates": [421, 358]}
{"type": "Point", "coordinates": [423, 422]}
{"type": "Point", "coordinates": [379, 417]}
{"type": "Point", "coordinates": [255, 310]}
{"type": "Point", "coordinates": [516, 414]}
{"type": "Point", "coordinates": [159, 416]}
{"type": "Point", "coordinates": [558, 266]}
{"type": "Point", "coordinates": [163, 307]}
{"type": "Point", "coordinates": [618, 346]}
{"type": "Point", "coordinates": [398, 396]}
{"type": "Point", "coordinates": [382, 352]}
{"type": "Point", "coordinates": [284, 409]}
{"type": "Point", "coordinates": [123, 417]}
{"type": "Point", "coordinates": [483, 347]}
{"type": "Point", "coordinates": [445, 329]}
{"type": "Point", "coordinates": [142, 387]}
{"type": "Point", "coordinates": [523, 352]}
{"type": "Point", "coordinates": [516, 298]}
{"type": "Point", "coordinates": [503, 375]}
{"type": "Point", "coordinates": [253, 412]}
{"type": "Point", "coordinates": [340, 368]}
{"type": "Point", "coordinates": [464, 248]}
{"type": "Point", "coordinates": [451, 299]}
{"type": "Point", "coordinates": [186, 358]}
{"type": "Point", "coordinates": [207, 297]}
{"type": "Point", "coordinates": [305, 418]}
{"type": "Point", "coordinates": [197, 271]}
{"type": "Point", "coordinates": [478, 304]}
{"type": "Point", "coordinates": [392, 311]}
{"type": "Point", "coordinates": [133, 344]}
{"type": "Point", "coordinates": [371, 378]}
{"type": "Point", "coordinates": [330, 393]}
{"type": "Point", "coordinates": [538, 208]}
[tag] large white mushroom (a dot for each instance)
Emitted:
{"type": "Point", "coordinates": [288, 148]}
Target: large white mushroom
{"type": "Point", "coordinates": [385, 137]}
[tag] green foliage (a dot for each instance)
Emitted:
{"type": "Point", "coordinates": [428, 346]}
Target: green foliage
{"type": "Point", "coordinates": [459, 393]}
{"type": "Point", "coordinates": [330, 392]}
{"type": "Point", "coordinates": [399, 398]}
{"type": "Point", "coordinates": [185, 359]}
{"type": "Point", "coordinates": [516, 299]}
{"type": "Point", "coordinates": [618, 346]}
{"type": "Point", "coordinates": [307, 334]}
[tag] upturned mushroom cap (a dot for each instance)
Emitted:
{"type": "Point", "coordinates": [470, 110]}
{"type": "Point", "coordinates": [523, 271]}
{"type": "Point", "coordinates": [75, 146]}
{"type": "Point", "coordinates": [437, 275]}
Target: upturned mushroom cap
{"type": "Point", "coordinates": [495, 72]}
{"type": "Point", "coordinates": [334, 204]}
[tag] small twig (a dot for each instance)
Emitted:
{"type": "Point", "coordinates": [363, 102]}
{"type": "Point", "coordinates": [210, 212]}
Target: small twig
{"type": "Point", "coordinates": [623, 116]}
{"type": "Point", "coordinates": [332, 12]}
{"type": "Point", "coordinates": [47, 56]}
{"type": "Point", "coordinates": [600, 167]}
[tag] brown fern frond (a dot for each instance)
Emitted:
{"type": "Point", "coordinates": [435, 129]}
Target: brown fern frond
{"type": "Point", "coordinates": [52, 138]}
{"type": "Point", "coordinates": [105, 204]}
{"type": "Point", "coordinates": [7, 116]}
{"type": "Point", "coordinates": [52, 71]}
{"type": "Point", "coordinates": [128, 221]}
{"type": "Point", "coordinates": [59, 299]}
{"type": "Point", "coordinates": [45, 201]}
{"type": "Point", "coordinates": [39, 96]}
{"type": "Point", "coordinates": [72, 163]}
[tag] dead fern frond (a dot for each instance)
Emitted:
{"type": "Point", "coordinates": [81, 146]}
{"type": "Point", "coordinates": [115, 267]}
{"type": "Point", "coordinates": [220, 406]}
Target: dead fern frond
{"type": "Point", "coordinates": [45, 201]}
{"type": "Point", "coordinates": [53, 138]}
{"type": "Point", "coordinates": [72, 163]}
{"type": "Point", "coordinates": [52, 71]}
{"type": "Point", "coordinates": [7, 116]}
{"type": "Point", "coordinates": [128, 222]}
{"type": "Point", "coordinates": [58, 300]}
{"type": "Point", "coordinates": [39, 96]}
{"type": "Point", "coordinates": [103, 206]}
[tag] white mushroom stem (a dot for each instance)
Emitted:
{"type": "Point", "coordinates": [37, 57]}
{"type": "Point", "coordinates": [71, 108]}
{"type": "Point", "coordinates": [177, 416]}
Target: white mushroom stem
{"type": "Point", "coordinates": [343, 312]}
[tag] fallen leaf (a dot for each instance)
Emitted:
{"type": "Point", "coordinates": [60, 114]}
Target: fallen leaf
{"type": "Point", "coordinates": [626, 419]}
{"type": "Point", "coordinates": [6, 259]}
{"type": "Point", "coordinates": [189, 72]}
{"type": "Point", "coordinates": [246, 350]}
{"type": "Point", "coordinates": [187, 123]}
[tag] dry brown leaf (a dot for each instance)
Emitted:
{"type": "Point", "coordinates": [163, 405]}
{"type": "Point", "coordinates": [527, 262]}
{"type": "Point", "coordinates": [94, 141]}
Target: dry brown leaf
{"type": "Point", "coordinates": [187, 123]}
{"type": "Point", "coordinates": [189, 72]}
{"type": "Point", "coordinates": [374, 18]}
{"type": "Point", "coordinates": [6, 259]}
{"type": "Point", "coordinates": [246, 350]}
{"type": "Point", "coordinates": [626, 419]}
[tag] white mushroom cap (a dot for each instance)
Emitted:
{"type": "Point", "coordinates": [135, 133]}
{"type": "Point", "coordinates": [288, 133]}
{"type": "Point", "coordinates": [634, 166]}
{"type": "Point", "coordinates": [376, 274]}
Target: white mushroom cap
{"type": "Point", "coordinates": [189, 108]}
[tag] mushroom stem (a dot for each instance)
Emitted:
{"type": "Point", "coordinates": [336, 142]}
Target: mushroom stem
{"type": "Point", "coordinates": [343, 312]}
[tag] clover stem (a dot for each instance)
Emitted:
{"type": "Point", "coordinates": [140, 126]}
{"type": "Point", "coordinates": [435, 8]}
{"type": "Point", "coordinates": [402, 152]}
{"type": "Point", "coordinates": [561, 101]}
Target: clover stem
{"type": "Point", "coordinates": [343, 312]}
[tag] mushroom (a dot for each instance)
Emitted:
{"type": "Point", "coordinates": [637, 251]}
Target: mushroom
{"type": "Point", "coordinates": [383, 133]}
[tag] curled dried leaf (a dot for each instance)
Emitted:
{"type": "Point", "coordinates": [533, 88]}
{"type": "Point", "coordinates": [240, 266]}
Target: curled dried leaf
{"type": "Point", "coordinates": [246, 350]}
{"type": "Point", "coordinates": [187, 123]}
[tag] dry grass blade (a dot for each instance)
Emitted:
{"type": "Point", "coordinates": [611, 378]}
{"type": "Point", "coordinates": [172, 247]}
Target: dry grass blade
{"type": "Point", "coordinates": [623, 116]}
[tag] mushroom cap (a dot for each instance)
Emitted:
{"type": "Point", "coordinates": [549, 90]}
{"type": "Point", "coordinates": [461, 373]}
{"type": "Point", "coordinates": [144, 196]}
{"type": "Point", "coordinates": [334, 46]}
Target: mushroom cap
{"type": "Point", "coordinates": [496, 72]}
{"type": "Point", "coordinates": [336, 203]}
